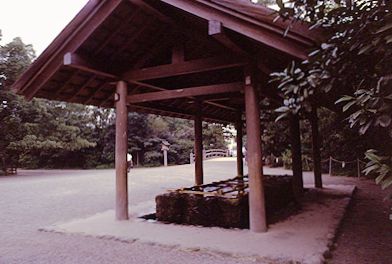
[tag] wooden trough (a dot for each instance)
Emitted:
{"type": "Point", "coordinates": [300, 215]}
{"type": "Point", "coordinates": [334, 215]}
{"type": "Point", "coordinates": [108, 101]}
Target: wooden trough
{"type": "Point", "coordinates": [224, 203]}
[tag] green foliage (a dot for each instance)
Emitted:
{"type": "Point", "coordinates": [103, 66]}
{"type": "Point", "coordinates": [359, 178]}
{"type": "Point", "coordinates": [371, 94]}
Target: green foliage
{"type": "Point", "coordinates": [352, 68]}
{"type": "Point", "coordinates": [382, 166]}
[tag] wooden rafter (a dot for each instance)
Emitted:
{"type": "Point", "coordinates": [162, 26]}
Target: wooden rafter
{"type": "Point", "coordinates": [165, 40]}
{"type": "Point", "coordinates": [94, 92]}
{"type": "Point", "coordinates": [130, 40]}
{"type": "Point", "coordinates": [216, 30]}
{"type": "Point", "coordinates": [268, 35]}
{"type": "Point", "coordinates": [65, 85]}
{"type": "Point", "coordinates": [186, 92]}
{"type": "Point", "coordinates": [80, 89]}
{"type": "Point", "coordinates": [121, 26]}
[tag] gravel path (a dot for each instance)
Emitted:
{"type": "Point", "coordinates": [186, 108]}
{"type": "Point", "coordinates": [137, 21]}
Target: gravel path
{"type": "Point", "coordinates": [36, 199]}
{"type": "Point", "coordinates": [365, 236]}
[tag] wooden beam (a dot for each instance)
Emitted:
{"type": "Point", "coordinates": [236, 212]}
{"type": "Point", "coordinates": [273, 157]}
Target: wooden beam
{"type": "Point", "coordinates": [216, 30]}
{"type": "Point", "coordinates": [186, 92]}
{"type": "Point", "coordinates": [121, 152]}
{"type": "Point", "coordinates": [190, 97]}
{"type": "Point", "coordinates": [176, 112]}
{"type": "Point", "coordinates": [188, 67]}
{"type": "Point", "coordinates": [78, 62]}
{"type": "Point", "coordinates": [257, 213]}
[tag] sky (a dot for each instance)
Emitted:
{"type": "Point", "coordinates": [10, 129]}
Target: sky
{"type": "Point", "coordinates": [37, 22]}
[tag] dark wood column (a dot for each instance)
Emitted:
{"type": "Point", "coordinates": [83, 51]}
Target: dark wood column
{"type": "Point", "coordinates": [198, 144]}
{"type": "Point", "coordinates": [296, 155]}
{"type": "Point", "coordinates": [316, 148]}
{"type": "Point", "coordinates": [121, 151]}
{"type": "Point", "coordinates": [240, 157]}
{"type": "Point", "coordinates": [257, 216]}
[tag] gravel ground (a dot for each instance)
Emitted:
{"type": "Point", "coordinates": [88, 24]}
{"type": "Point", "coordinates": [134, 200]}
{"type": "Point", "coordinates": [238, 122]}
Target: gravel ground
{"type": "Point", "coordinates": [365, 236]}
{"type": "Point", "coordinates": [36, 199]}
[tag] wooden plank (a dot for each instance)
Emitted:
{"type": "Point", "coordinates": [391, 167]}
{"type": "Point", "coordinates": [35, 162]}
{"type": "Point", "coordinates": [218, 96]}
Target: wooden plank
{"type": "Point", "coordinates": [78, 62]}
{"type": "Point", "coordinates": [186, 92]}
{"type": "Point", "coordinates": [188, 67]}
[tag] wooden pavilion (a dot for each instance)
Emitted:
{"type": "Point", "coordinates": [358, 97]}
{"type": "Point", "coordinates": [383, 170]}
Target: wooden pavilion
{"type": "Point", "coordinates": [196, 59]}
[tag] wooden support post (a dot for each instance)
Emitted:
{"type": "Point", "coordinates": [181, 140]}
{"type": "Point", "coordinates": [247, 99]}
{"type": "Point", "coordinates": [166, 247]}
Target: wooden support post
{"type": "Point", "coordinates": [316, 149]}
{"type": "Point", "coordinates": [121, 151]}
{"type": "Point", "coordinates": [165, 158]}
{"type": "Point", "coordinates": [296, 155]}
{"type": "Point", "coordinates": [240, 156]}
{"type": "Point", "coordinates": [198, 144]}
{"type": "Point", "coordinates": [257, 215]}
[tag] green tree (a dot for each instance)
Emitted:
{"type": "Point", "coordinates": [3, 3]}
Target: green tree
{"type": "Point", "coordinates": [352, 67]}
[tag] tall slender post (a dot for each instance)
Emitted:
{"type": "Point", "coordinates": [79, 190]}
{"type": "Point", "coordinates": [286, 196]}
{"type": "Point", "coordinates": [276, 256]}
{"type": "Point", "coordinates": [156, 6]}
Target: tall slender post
{"type": "Point", "coordinates": [318, 181]}
{"type": "Point", "coordinates": [165, 157]}
{"type": "Point", "coordinates": [121, 151]}
{"type": "Point", "coordinates": [198, 144]}
{"type": "Point", "coordinates": [240, 156]}
{"type": "Point", "coordinates": [296, 155]}
{"type": "Point", "coordinates": [257, 215]}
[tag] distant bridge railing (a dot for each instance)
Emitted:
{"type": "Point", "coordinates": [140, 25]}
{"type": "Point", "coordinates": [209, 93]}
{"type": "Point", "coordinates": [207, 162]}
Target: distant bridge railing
{"type": "Point", "coordinates": [210, 154]}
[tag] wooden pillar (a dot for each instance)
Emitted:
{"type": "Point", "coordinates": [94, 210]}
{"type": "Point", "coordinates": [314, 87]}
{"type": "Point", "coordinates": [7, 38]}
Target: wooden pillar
{"type": "Point", "coordinates": [257, 215]}
{"type": "Point", "coordinates": [296, 155]}
{"type": "Point", "coordinates": [240, 156]}
{"type": "Point", "coordinates": [316, 149]}
{"type": "Point", "coordinates": [121, 151]}
{"type": "Point", "coordinates": [198, 144]}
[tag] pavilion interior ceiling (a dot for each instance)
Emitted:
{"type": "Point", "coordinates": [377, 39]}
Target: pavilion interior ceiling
{"type": "Point", "coordinates": [137, 39]}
